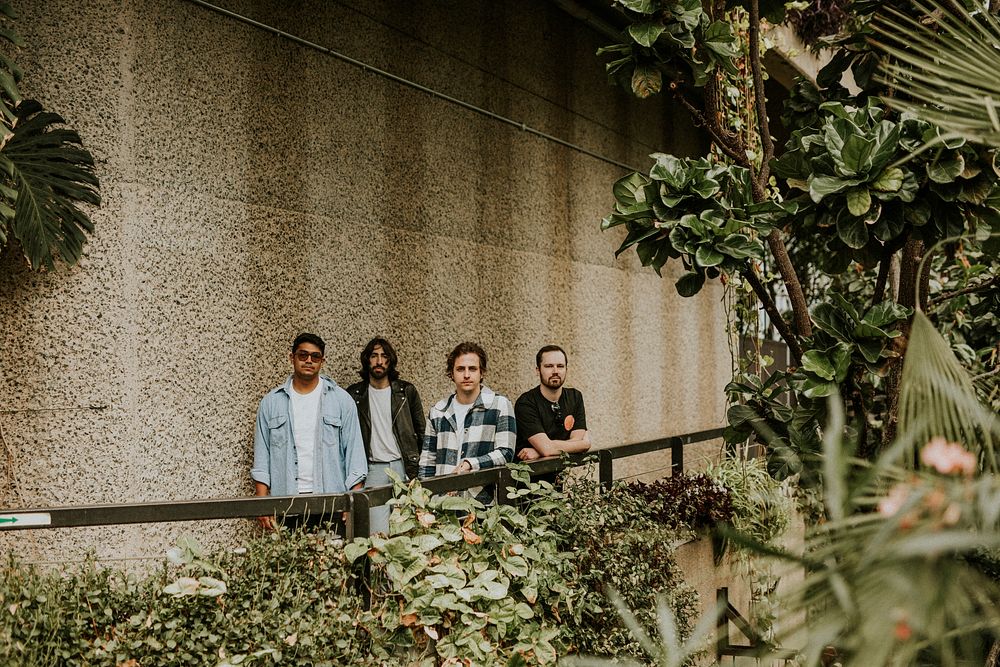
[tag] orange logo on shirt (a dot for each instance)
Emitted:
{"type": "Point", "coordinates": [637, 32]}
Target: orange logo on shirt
{"type": "Point", "coordinates": [568, 422]}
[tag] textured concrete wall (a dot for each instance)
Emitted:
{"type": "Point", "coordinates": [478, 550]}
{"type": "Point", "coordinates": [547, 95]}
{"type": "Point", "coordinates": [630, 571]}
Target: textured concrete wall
{"type": "Point", "coordinates": [255, 188]}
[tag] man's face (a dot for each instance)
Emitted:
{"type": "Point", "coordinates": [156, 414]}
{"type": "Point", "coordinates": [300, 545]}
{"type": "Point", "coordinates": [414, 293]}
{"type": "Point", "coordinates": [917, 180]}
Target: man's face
{"type": "Point", "coordinates": [552, 370]}
{"type": "Point", "coordinates": [306, 362]}
{"type": "Point", "coordinates": [378, 363]}
{"type": "Point", "coordinates": [466, 373]}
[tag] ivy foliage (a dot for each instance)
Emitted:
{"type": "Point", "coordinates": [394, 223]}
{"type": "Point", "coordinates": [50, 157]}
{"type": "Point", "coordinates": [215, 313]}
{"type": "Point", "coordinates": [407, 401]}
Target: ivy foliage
{"type": "Point", "coordinates": [452, 582]}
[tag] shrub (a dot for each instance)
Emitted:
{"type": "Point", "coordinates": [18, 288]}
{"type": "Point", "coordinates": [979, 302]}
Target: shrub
{"type": "Point", "coordinates": [617, 543]}
{"type": "Point", "coordinates": [686, 502]}
{"type": "Point", "coordinates": [457, 580]}
{"type": "Point", "coordinates": [453, 581]}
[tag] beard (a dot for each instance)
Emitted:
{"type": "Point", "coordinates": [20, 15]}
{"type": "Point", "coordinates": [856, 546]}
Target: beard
{"type": "Point", "coordinates": [379, 372]}
{"type": "Point", "coordinates": [553, 382]}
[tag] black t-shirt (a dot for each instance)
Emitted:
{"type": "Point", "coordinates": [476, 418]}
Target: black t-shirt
{"type": "Point", "coordinates": [536, 414]}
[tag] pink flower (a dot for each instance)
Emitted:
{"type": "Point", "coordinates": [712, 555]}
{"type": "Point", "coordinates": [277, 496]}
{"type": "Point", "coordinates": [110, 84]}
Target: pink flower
{"type": "Point", "coordinates": [948, 458]}
{"type": "Point", "coordinates": [892, 503]}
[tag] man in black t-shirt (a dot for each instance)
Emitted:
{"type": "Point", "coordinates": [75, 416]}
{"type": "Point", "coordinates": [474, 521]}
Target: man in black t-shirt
{"type": "Point", "coordinates": [550, 418]}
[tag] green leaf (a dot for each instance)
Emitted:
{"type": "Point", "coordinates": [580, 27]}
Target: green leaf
{"type": "Point", "coordinates": [516, 566]}
{"type": "Point", "coordinates": [818, 389]}
{"type": "Point", "coordinates": [53, 175]}
{"type": "Point", "coordinates": [818, 363]}
{"type": "Point", "coordinates": [946, 169]}
{"type": "Point", "coordinates": [890, 180]}
{"type": "Point", "coordinates": [690, 283]}
{"type": "Point", "coordinates": [670, 169]}
{"type": "Point", "coordinates": [646, 81]}
{"type": "Point", "coordinates": [841, 362]}
{"type": "Point", "coordinates": [720, 40]}
{"type": "Point", "coordinates": [856, 155]}
{"type": "Point", "coordinates": [11, 36]}
{"type": "Point", "coordinates": [356, 549]}
{"type": "Point", "coordinates": [885, 313]}
{"type": "Point", "coordinates": [647, 33]}
{"type": "Point", "coordinates": [792, 165]}
{"type": "Point", "coordinates": [871, 349]}
{"type": "Point", "coordinates": [707, 256]}
{"type": "Point", "coordinates": [636, 236]}
{"type": "Point", "coordinates": [821, 186]}
{"type": "Point", "coordinates": [852, 231]}
{"type": "Point", "coordinates": [630, 190]}
{"type": "Point", "coordinates": [740, 246]}
{"type": "Point", "coordinates": [859, 200]}
{"type": "Point", "coordinates": [640, 6]}
{"type": "Point", "coordinates": [457, 503]}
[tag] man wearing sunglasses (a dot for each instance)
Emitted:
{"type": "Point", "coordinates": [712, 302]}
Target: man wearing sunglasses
{"type": "Point", "coordinates": [307, 438]}
{"type": "Point", "coordinates": [550, 417]}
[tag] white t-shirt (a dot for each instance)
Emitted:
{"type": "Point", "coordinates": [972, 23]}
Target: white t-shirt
{"type": "Point", "coordinates": [461, 410]}
{"type": "Point", "coordinates": [305, 423]}
{"type": "Point", "coordinates": [384, 445]}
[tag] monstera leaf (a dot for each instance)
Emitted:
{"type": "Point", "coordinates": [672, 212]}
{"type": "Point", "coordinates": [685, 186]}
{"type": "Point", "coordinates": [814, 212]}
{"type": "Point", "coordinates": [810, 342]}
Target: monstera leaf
{"type": "Point", "coordinates": [47, 174]}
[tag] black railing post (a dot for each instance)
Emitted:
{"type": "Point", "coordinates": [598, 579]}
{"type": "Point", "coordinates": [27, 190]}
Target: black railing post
{"type": "Point", "coordinates": [605, 467]}
{"type": "Point", "coordinates": [676, 456]}
{"type": "Point", "coordinates": [722, 624]}
{"type": "Point", "coordinates": [358, 523]}
{"type": "Point", "coordinates": [503, 481]}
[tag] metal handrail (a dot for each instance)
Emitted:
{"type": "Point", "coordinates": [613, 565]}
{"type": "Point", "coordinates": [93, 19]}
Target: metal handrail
{"type": "Point", "coordinates": [355, 503]}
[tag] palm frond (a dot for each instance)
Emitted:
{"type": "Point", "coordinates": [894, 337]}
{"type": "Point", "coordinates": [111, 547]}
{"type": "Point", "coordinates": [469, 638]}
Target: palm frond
{"type": "Point", "coordinates": [937, 397]}
{"type": "Point", "coordinates": [945, 69]}
{"type": "Point", "coordinates": [52, 174]}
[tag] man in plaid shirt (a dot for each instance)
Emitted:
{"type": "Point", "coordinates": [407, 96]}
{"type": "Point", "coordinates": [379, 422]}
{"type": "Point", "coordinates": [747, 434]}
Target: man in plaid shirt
{"type": "Point", "coordinates": [474, 428]}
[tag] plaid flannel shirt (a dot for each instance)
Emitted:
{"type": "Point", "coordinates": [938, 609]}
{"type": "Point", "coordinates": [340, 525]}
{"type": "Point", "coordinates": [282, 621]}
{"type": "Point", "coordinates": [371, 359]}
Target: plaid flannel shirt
{"type": "Point", "coordinates": [486, 439]}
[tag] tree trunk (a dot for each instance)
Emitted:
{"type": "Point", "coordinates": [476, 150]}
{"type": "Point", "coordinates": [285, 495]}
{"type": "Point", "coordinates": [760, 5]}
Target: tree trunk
{"type": "Point", "coordinates": [909, 266]}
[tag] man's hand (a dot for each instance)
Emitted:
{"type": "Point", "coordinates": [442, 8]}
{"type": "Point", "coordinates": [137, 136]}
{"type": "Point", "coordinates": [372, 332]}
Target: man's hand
{"type": "Point", "coordinates": [528, 454]}
{"type": "Point", "coordinates": [260, 489]}
{"type": "Point", "coordinates": [464, 466]}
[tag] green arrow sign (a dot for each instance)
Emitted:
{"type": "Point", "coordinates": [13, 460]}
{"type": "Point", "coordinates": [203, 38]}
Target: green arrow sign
{"type": "Point", "coordinates": [8, 521]}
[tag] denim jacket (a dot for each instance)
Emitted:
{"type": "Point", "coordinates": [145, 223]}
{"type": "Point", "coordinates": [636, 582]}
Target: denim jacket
{"type": "Point", "coordinates": [339, 461]}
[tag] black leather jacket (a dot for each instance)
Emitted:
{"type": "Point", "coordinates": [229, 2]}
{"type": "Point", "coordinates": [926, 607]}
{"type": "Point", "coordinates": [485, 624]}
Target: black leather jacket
{"type": "Point", "coordinates": [408, 421]}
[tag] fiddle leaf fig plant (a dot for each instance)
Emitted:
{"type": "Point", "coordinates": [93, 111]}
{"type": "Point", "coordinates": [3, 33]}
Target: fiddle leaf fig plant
{"type": "Point", "coordinates": [857, 188]}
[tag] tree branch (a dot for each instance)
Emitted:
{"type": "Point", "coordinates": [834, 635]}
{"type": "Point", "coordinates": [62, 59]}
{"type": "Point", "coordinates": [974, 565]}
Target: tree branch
{"type": "Point", "coordinates": [760, 100]}
{"type": "Point", "coordinates": [772, 311]}
{"type": "Point", "coordinates": [983, 376]}
{"type": "Point", "coordinates": [885, 263]}
{"type": "Point", "coordinates": [726, 144]}
{"type": "Point", "coordinates": [800, 308]}
{"type": "Point", "coordinates": [946, 296]}
{"type": "Point", "coordinates": [760, 177]}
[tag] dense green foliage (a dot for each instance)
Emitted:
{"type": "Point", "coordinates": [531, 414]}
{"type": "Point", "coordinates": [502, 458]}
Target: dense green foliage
{"type": "Point", "coordinates": [821, 220]}
{"type": "Point", "coordinates": [500, 585]}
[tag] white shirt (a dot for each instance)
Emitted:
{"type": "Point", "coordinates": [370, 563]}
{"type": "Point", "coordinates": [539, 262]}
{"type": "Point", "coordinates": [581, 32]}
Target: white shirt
{"type": "Point", "coordinates": [461, 409]}
{"type": "Point", "coordinates": [384, 445]}
{"type": "Point", "coordinates": [305, 423]}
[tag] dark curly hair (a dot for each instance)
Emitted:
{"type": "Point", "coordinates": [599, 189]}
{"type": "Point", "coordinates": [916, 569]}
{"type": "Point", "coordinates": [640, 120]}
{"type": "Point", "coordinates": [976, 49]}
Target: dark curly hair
{"type": "Point", "coordinates": [390, 352]}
